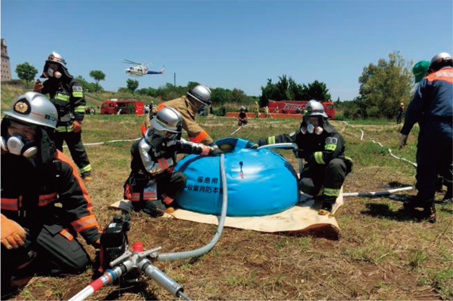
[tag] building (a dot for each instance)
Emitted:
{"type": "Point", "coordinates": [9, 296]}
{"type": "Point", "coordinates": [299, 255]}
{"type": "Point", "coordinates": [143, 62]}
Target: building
{"type": "Point", "coordinates": [6, 69]}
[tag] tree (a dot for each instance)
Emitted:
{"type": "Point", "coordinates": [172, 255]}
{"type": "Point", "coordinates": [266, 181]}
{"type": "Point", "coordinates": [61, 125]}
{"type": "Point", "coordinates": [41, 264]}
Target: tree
{"type": "Point", "coordinates": [384, 86]}
{"type": "Point", "coordinates": [26, 72]}
{"type": "Point", "coordinates": [238, 96]}
{"type": "Point", "coordinates": [318, 91]}
{"type": "Point", "coordinates": [132, 85]}
{"type": "Point", "coordinates": [97, 75]}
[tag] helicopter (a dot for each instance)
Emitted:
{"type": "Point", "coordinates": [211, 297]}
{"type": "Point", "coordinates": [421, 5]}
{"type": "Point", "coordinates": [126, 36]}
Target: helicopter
{"type": "Point", "coordinates": [140, 69]}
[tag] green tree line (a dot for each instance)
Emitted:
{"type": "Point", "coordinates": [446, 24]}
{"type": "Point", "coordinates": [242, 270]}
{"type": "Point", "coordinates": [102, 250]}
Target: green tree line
{"type": "Point", "coordinates": [383, 86]}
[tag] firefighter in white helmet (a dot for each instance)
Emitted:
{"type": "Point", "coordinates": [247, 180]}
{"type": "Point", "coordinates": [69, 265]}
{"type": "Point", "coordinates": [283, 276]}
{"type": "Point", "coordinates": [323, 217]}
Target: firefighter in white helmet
{"type": "Point", "coordinates": [323, 148]}
{"type": "Point", "coordinates": [153, 184]}
{"type": "Point", "coordinates": [66, 93]}
{"type": "Point", "coordinates": [432, 108]}
{"type": "Point", "coordinates": [44, 202]}
{"type": "Point", "coordinates": [196, 102]}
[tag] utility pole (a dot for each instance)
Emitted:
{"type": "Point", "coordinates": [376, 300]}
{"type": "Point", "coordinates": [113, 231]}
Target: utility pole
{"type": "Point", "coordinates": [174, 79]}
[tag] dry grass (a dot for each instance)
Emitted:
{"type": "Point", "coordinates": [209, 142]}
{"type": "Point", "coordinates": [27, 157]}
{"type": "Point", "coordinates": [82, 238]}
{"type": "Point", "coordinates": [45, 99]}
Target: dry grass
{"type": "Point", "coordinates": [381, 252]}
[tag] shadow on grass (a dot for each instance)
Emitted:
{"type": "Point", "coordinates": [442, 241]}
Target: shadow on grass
{"type": "Point", "coordinates": [384, 211]}
{"type": "Point", "coordinates": [140, 288]}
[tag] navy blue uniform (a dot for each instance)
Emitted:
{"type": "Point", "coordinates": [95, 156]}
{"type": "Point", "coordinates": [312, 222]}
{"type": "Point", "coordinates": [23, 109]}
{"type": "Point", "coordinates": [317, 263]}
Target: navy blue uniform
{"type": "Point", "coordinates": [432, 108]}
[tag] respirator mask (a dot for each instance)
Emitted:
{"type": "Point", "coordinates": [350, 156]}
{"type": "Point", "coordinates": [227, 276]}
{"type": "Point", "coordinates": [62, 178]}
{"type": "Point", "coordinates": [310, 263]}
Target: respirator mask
{"type": "Point", "coordinates": [313, 126]}
{"type": "Point", "coordinates": [203, 109]}
{"type": "Point", "coordinates": [53, 73]}
{"type": "Point", "coordinates": [15, 145]}
{"type": "Point", "coordinates": [161, 138]}
{"type": "Point", "coordinates": [20, 140]}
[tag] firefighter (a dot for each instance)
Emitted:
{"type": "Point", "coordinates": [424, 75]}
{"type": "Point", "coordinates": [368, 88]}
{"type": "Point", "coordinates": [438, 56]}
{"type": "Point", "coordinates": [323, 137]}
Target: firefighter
{"type": "Point", "coordinates": [400, 113]}
{"type": "Point", "coordinates": [256, 109]}
{"type": "Point", "coordinates": [197, 101]}
{"type": "Point", "coordinates": [266, 111]}
{"type": "Point", "coordinates": [67, 95]}
{"type": "Point", "coordinates": [323, 148]}
{"type": "Point", "coordinates": [242, 117]}
{"type": "Point", "coordinates": [152, 184]}
{"type": "Point", "coordinates": [432, 108]}
{"type": "Point", "coordinates": [44, 203]}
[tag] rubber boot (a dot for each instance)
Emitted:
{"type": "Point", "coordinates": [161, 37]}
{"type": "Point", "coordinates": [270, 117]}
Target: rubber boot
{"type": "Point", "coordinates": [154, 208]}
{"type": "Point", "coordinates": [414, 202]}
{"type": "Point", "coordinates": [327, 204]}
{"type": "Point", "coordinates": [429, 211]}
{"type": "Point", "coordinates": [448, 197]}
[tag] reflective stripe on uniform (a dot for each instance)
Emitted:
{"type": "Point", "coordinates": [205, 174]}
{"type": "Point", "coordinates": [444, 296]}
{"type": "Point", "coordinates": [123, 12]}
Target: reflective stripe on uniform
{"type": "Point", "coordinates": [204, 150]}
{"type": "Point", "coordinates": [271, 140]}
{"type": "Point", "coordinates": [135, 197]}
{"type": "Point", "coordinates": [62, 97]}
{"type": "Point", "coordinates": [63, 129]}
{"type": "Point", "coordinates": [85, 169]}
{"type": "Point", "coordinates": [85, 222]}
{"type": "Point", "coordinates": [79, 109]}
{"type": "Point", "coordinates": [65, 233]}
{"type": "Point", "coordinates": [167, 200]}
{"type": "Point", "coordinates": [330, 147]}
{"type": "Point", "coordinates": [11, 204]}
{"type": "Point", "coordinates": [331, 192]}
{"type": "Point", "coordinates": [149, 196]}
{"type": "Point", "coordinates": [47, 199]}
{"type": "Point", "coordinates": [199, 137]}
{"type": "Point", "coordinates": [77, 94]}
{"type": "Point", "coordinates": [318, 158]}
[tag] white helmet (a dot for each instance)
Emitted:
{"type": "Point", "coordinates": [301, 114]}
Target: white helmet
{"type": "Point", "coordinates": [55, 58]}
{"type": "Point", "coordinates": [201, 93]}
{"type": "Point", "coordinates": [34, 108]}
{"type": "Point", "coordinates": [167, 119]}
{"type": "Point", "coordinates": [315, 109]}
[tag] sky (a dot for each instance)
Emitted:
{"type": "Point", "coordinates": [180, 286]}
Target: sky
{"type": "Point", "coordinates": [227, 44]}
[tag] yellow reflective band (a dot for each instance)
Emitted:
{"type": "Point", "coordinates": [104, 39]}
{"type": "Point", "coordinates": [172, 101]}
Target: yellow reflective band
{"type": "Point", "coordinates": [331, 192]}
{"type": "Point", "coordinates": [77, 94]}
{"type": "Point", "coordinates": [271, 140]}
{"type": "Point", "coordinates": [331, 147]}
{"type": "Point", "coordinates": [64, 128]}
{"type": "Point", "coordinates": [85, 169]}
{"type": "Point", "coordinates": [62, 97]}
{"type": "Point", "coordinates": [79, 109]}
{"type": "Point", "coordinates": [318, 158]}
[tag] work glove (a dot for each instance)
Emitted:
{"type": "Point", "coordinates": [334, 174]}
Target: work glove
{"type": "Point", "coordinates": [403, 141]}
{"type": "Point", "coordinates": [37, 86]}
{"type": "Point", "coordinates": [13, 235]}
{"type": "Point", "coordinates": [77, 126]}
{"type": "Point", "coordinates": [254, 146]}
{"type": "Point", "coordinates": [215, 152]}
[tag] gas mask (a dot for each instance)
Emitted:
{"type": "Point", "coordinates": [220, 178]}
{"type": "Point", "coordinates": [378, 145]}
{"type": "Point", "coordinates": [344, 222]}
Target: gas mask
{"type": "Point", "coordinates": [314, 129]}
{"type": "Point", "coordinates": [53, 73]}
{"type": "Point", "coordinates": [202, 109]}
{"type": "Point", "coordinates": [160, 138]}
{"type": "Point", "coordinates": [16, 145]}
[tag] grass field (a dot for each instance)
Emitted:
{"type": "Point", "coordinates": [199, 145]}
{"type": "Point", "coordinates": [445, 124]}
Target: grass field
{"type": "Point", "coordinates": [382, 253]}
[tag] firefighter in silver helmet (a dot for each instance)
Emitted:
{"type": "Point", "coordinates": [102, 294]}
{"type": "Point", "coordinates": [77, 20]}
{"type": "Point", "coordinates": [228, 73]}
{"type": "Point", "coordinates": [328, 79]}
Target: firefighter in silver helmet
{"type": "Point", "coordinates": [66, 93]}
{"type": "Point", "coordinates": [36, 234]}
{"type": "Point", "coordinates": [323, 148]}
{"type": "Point", "coordinates": [195, 102]}
{"type": "Point", "coordinates": [153, 184]}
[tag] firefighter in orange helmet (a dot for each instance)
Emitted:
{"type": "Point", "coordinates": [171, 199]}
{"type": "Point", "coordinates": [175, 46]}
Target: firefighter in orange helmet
{"type": "Point", "coordinates": [44, 203]}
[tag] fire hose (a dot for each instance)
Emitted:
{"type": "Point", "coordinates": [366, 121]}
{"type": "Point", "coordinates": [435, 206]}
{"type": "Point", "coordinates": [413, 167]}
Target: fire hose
{"type": "Point", "coordinates": [139, 260]}
{"type": "Point", "coordinates": [347, 194]}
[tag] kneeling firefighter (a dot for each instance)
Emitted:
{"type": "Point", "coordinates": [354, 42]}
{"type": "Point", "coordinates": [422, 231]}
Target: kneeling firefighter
{"type": "Point", "coordinates": [152, 184]}
{"type": "Point", "coordinates": [44, 202]}
{"type": "Point", "coordinates": [322, 148]}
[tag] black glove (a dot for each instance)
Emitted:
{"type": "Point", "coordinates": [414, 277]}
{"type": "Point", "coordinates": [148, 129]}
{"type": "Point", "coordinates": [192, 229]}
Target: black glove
{"type": "Point", "coordinates": [215, 152]}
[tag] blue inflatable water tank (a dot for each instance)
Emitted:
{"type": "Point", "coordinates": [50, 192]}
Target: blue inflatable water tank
{"type": "Point", "coordinates": [260, 182]}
